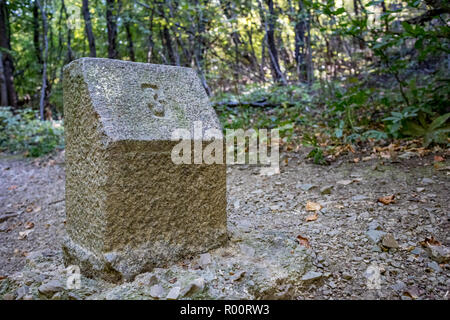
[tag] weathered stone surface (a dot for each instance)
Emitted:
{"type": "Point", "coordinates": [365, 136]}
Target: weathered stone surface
{"type": "Point", "coordinates": [129, 208]}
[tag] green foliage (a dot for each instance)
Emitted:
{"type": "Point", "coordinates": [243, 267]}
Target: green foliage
{"type": "Point", "coordinates": [316, 154]}
{"type": "Point", "coordinates": [24, 133]}
{"type": "Point", "coordinates": [435, 131]}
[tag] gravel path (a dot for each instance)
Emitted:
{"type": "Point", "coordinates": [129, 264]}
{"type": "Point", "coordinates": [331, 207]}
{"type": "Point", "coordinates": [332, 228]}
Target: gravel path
{"type": "Point", "coordinates": [352, 236]}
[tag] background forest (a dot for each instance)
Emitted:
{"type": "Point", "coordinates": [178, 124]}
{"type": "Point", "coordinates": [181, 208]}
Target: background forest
{"type": "Point", "coordinates": [334, 75]}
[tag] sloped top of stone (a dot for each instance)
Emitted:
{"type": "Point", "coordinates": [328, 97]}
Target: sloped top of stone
{"type": "Point", "coordinates": [141, 101]}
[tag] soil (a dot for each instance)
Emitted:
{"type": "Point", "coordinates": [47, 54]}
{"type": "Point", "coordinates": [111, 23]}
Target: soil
{"type": "Point", "coordinates": [341, 236]}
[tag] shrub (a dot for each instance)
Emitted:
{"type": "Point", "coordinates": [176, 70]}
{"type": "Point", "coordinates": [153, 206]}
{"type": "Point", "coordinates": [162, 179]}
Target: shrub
{"type": "Point", "coordinates": [22, 132]}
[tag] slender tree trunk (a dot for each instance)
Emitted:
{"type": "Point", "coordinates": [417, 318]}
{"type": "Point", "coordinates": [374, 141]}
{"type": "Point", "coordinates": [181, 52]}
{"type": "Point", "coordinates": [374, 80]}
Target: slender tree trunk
{"type": "Point", "coordinates": [168, 44]}
{"type": "Point", "coordinates": [269, 25]}
{"type": "Point", "coordinates": [3, 89]}
{"type": "Point", "coordinates": [5, 46]}
{"type": "Point", "coordinates": [151, 43]}
{"type": "Point", "coordinates": [112, 12]}
{"type": "Point", "coordinates": [88, 28]}
{"type": "Point", "coordinates": [36, 33]}
{"type": "Point", "coordinates": [130, 44]}
{"type": "Point", "coordinates": [70, 56]}
{"type": "Point", "coordinates": [44, 68]}
{"type": "Point", "coordinates": [200, 46]}
{"type": "Point", "coordinates": [310, 68]}
{"type": "Point", "coordinates": [299, 41]}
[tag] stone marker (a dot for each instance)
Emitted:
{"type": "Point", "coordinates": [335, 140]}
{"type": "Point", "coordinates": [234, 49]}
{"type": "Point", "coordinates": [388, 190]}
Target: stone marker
{"type": "Point", "coordinates": [129, 207]}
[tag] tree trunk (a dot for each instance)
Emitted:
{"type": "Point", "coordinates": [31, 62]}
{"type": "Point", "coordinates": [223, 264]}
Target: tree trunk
{"type": "Point", "coordinates": [36, 33]}
{"type": "Point", "coordinates": [88, 28]}
{"type": "Point", "coordinates": [8, 65]}
{"type": "Point", "coordinates": [151, 43]}
{"type": "Point", "coordinates": [269, 25]}
{"type": "Point", "coordinates": [168, 44]}
{"type": "Point", "coordinates": [3, 89]}
{"type": "Point", "coordinates": [70, 56]}
{"type": "Point", "coordinates": [299, 41]}
{"type": "Point", "coordinates": [44, 68]}
{"type": "Point", "coordinates": [130, 44]}
{"type": "Point", "coordinates": [310, 68]}
{"type": "Point", "coordinates": [112, 12]}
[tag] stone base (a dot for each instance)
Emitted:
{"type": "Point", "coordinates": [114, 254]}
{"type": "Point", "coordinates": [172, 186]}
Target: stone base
{"type": "Point", "coordinates": [127, 264]}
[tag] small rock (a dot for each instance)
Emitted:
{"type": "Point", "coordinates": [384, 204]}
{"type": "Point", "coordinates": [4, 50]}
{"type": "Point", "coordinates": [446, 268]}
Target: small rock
{"type": "Point", "coordinates": [50, 287]}
{"type": "Point", "coordinates": [376, 248]}
{"type": "Point", "coordinates": [307, 186]}
{"type": "Point", "coordinates": [389, 241]}
{"type": "Point", "coordinates": [417, 251]}
{"type": "Point", "coordinates": [374, 225]}
{"type": "Point", "coordinates": [21, 292]}
{"type": "Point", "coordinates": [73, 296]}
{"type": "Point", "coordinates": [375, 235]}
{"type": "Point", "coordinates": [195, 286]}
{"type": "Point", "coordinates": [360, 197]}
{"type": "Point", "coordinates": [157, 291]}
{"type": "Point", "coordinates": [237, 276]}
{"type": "Point", "coordinates": [204, 260]}
{"type": "Point", "coordinates": [174, 293]}
{"type": "Point", "coordinates": [399, 286]}
{"type": "Point", "coordinates": [407, 155]}
{"type": "Point", "coordinates": [248, 251]}
{"type": "Point", "coordinates": [433, 265]}
{"type": "Point", "coordinates": [347, 276]}
{"type": "Point", "coordinates": [57, 296]}
{"type": "Point", "coordinates": [427, 181]}
{"type": "Point", "coordinates": [326, 189]}
{"type": "Point", "coordinates": [440, 253]}
{"type": "Point", "coordinates": [312, 275]}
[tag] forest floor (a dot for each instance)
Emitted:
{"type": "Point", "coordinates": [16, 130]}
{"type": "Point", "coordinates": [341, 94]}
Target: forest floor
{"type": "Point", "coordinates": [347, 231]}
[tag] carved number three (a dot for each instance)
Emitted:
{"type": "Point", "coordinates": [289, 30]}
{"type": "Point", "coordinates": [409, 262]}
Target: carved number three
{"type": "Point", "coordinates": [155, 99]}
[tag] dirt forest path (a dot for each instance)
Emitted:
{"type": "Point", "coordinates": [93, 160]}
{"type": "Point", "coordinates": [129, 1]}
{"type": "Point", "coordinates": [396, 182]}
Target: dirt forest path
{"type": "Point", "coordinates": [334, 210]}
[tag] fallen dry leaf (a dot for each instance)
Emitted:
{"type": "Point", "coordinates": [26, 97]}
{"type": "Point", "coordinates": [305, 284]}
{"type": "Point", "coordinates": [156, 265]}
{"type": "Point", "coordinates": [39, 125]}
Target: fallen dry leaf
{"type": "Point", "coordinates": [412, 293]}
{"type": "Point", "coordinates": [303, 241]}
{"type": "Point", "coordinates": [387, 199]}
{"type": "Point", "coordinates": [313, 206]}
{"type": "Point", "coordinates": [430, 241]}
{"type": "Point", "coordinates": [438, 159]}
{"type": "Point", "coordinates": [24, 234]}
{"type": "Point", "coordinates": [2, 277]}
{"type": "Point", "coordinates": [29, 225]}
{"type": "Point", "coordinates": [312, 217]}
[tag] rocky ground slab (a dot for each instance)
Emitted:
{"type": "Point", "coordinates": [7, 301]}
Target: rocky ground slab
{"type": "Point", "coordinates": [374, 229]}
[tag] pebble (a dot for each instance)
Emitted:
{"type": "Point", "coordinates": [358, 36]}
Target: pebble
{"type": "Point", "coordinates": [375, 235]}
{"type": "Point", "coordinates": [433, 265]}
{"type": "Point", "coordinates": [389, 241]}
{"type": "Point", "coordinates": [326, 189]}
{"type": "Point", "coordinates": [347, 276]}
{"type": "Point", "coordinates": [204, 260]}
{"type": "Point", "coordinates": [312, 275]}
{"type": "Point", "coordinates": [174, 293]}
{"type": "Point", "coordinates": [51, 287]}
{"type": "Point", "coordinates": [427, 181]}
{"type": "Point", "coordinates": [157, 291]}
{"type": "Point", "coordinates": [399, 286]}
